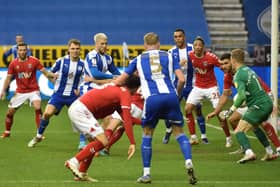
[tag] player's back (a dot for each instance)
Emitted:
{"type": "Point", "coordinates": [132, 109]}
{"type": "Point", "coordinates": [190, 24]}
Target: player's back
{"type": "Point", "coordinates": [255, 94]}
{"type": "Point", "coordinates": [104, 101]}
{"type": "Point", "coordinates": [155, 69]}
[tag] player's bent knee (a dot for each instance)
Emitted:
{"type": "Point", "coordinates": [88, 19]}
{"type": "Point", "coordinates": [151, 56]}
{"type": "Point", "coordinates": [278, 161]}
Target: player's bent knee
{"type": "Point", "coordinates": [243, 126]}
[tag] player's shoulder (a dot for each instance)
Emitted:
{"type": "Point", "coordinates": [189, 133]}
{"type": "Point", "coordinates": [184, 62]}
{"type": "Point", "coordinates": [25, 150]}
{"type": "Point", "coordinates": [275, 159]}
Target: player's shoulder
{"type": "Point", "coordinates": [92, 54]}
{"type": "Point", "coordinates": [172, 49]}
{"type": "Point", "coordinates": [33, 59]}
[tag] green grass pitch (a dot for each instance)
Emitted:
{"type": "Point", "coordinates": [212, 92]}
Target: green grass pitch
{"type": "Point", "coordinates": [43, 166]}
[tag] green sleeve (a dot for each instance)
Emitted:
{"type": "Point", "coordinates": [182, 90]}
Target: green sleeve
{"type": "Point", "coordinates": [241, 96]}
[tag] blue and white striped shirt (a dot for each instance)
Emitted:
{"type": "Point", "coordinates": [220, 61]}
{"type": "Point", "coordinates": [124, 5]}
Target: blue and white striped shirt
{"type": "Point", "coordinates": [155, 69]}
{"type": "Point", "coordinates": [70, 75]}
{"type": "Point", "coordinates": [96, 66]}
{"type": "Point", "coordinates": [187, 69]}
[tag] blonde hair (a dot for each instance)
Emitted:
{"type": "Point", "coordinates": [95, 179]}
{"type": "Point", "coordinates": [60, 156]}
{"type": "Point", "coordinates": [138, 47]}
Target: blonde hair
{"type": "Point", "coordinates": [151, 38]}
{"type": "Point", "coordinates": [238, 55]}
{"type": "Point", "coordinates": [99, 36]}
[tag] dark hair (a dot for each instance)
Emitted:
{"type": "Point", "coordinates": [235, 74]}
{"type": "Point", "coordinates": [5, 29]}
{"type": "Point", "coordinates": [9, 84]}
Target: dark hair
{"type": "Point", "coordinates": [180, 30]}
{"type": "Point", "coordinates": [132, 82]}
{"type": "Point", "coordinates": [200, 39]}
{"type": "Point", "coordinates": [21, 44]}
{"type": "Point", "coordinates": [74, 41]}
{"type": "Point", "coordinates": [225, 56]}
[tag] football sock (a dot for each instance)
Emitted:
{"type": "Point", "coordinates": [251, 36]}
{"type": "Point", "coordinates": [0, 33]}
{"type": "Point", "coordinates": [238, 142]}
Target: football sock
{"type": "Point", "coordinates": [9, 121]}
{"type": "Point", "coordinates": [108, 133]}
{"type": "Point", "coordinates": [270, 132]}
{"type": "Point", "coordinates": [261, 136]}
{"type": "Point", "coordinates": [84, 165]}
{"type": "Point", "coordinates": [82, 138]}
{"type": "Point", "coordinates": [115, 137]}
{"type": "Point", "coordinates": [89, 150]}
{"type": "Point", "coordinates": [38, 114]}
{"type": "Point", "coordinates": [167, 124]}
{"type": "Point", "coordinates": [146, 149]}
{"type": "Point", "coordinates": [224, 125]}
{"type": "Point", "coordinates": [43, 125]}
{"type": "Point", "coordinates": [243, 140]}
{"type": "Point", "coordinates": [184, 145]}
{"type": "Point", "coordinates": [201, 123]}
{"type": "Point", "coordinates": [190, 122]}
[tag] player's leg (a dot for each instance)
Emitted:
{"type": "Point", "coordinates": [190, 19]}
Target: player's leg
{"type": "Point", "coordinates": [35, 101]}
{"type": "Point", "coordinates": [242, 127]}
{"type": "Point", "coordinates": [185, 147]}
{"type": "Point", "coordinates": [168, 132]}
{"type": "Point", "coordinates": [16, 101]}
{"type": "Point", "coordinates": [271, 134]}
{"type": "Point", "coordinates": [214, 96]}
{"type": "Point", "coordinates": [8, 122]}
{"type": "Point", "coordinates": [112, 132]}
{"type": "Point", "coordinates": [176, 119]}
{"type": "Point", "coordinates": [85, 123]}
{"type": "Point", "coordinates": [201, 123]}
{"type": "Point", "coordinates": [44, 122]}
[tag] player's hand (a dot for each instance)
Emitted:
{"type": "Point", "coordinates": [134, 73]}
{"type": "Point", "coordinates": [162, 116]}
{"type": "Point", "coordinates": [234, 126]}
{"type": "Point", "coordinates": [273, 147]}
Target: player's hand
{"type": "Point", "coordinates": [211, 115]}
{"type": "Point", "coordinates": [2, 95]}
{"type": "Point", "coordinates": [225, 114]}
{"type": "Point", "coordinates": [76, 92]}
{"type": "Point", "coordinates": [131, 151]}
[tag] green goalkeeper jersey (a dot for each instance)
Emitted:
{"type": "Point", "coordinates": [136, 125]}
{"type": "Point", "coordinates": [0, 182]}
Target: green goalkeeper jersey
{"type": "Point", "coordinates": [249, 88]}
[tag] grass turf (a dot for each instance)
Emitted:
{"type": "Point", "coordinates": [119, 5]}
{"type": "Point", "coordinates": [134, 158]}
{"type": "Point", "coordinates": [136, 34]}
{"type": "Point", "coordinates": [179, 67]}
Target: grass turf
{"type": "Point", "coordinates": [43, 166]}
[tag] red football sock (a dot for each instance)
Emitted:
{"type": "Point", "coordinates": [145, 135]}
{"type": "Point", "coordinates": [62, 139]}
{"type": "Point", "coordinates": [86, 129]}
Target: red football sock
{"type": "Point", "coordinates": [108, 133]}
{"type": "Point", "coordinates": [84, 165]}
{"type": "Point", "coordinates": [115, 137]}
{"type": "Point", "coordinates": [9, 121]}
{"type": "Point", "coordinates": [224, 125]}
{"type": "Point", "coordinates": [89, 150]}
{"type": "Point", "coordinates": [38, 114]}
{"type": "Point", "coordinates": [190, 123]}
{"type": "Point", "coordinates": [270, 132]}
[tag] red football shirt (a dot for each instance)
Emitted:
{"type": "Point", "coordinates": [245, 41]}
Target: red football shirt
{"type": "Point", "coordinates": [25, 74]}
{"type": "Point", "coordinates": [102, 102]}
{"type": "Point", "coordinates": [204, 69]}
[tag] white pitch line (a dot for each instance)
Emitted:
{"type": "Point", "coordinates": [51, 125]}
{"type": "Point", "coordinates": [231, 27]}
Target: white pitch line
{"type": "Point", "coordinates": [219, 128]}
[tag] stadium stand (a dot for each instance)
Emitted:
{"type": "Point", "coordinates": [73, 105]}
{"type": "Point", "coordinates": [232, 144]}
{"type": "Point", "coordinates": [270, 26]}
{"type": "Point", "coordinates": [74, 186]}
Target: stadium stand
{"type": "Point", "coordinates": [54, 22]}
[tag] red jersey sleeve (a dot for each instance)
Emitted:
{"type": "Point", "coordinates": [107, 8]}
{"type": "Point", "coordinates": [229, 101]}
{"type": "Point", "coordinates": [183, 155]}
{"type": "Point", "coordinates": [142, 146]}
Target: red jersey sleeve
{"type": "Point", "coordinates": [125, 113]}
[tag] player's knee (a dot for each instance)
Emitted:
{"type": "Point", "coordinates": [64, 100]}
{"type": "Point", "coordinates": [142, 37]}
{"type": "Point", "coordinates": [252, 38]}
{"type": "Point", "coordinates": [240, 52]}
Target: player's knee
{"type": "Point", "coordinates": [47, 115]}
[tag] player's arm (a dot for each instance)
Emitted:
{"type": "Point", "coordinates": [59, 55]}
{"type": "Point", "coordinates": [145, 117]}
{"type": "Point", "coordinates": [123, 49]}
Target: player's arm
{"type": "Point", "coordinates": [6, 55]}
{"type": "Point", "coordinates": [129, 130]}
{"type": "Point", "coordinates": [241, 94]}
{"type": "Point", "coordinates": [96, 81]}
{"type": "Point", "coordinates": [222, 101]}
{"type": "Point", "coordinates": [181, 81]}
{"type": "Point", "coordinates": [120, 80]}
{"type": "Point", "coordinates": [6, 84]}
{"type": "Point", "coordinates": [113, 69]}
{"type": "Point", "coordinates": [50, 75]}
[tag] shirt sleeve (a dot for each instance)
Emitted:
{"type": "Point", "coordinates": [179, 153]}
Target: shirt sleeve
{"type": "Point", "coordinates": [241, 96]}
{"type": "Point", "coordinates": [126, 116]}
{"type": "Point", "coordinates": [131, 67]}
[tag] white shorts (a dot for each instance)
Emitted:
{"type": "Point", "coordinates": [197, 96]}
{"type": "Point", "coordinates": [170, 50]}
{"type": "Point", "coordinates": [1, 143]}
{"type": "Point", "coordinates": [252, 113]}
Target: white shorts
{"type": "Point", "coordinates": [135, 112]}
{"type": "Point", "coordinates": [83, 120]}
{"type": "Point", "coordinates": [242, 110]}
{"type": "Point", "coordinates": [19, 98]}
{"type": "Point", "coordinates": [198, 94]}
